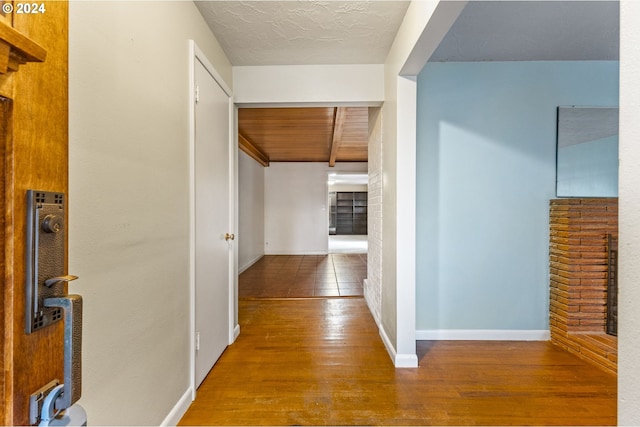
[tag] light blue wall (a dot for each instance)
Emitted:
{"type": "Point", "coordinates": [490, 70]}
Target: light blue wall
{"type": "Point", "coordinates": [486, 158]}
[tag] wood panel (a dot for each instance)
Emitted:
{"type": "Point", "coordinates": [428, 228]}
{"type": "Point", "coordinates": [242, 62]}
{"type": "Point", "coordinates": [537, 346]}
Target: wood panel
{"type": "Point", "coordinates": [35, 158]}
{"type": "Point", "coordinates": [339, 118]}
{"type": "Point", "coordinates": [322, 362]}
{"type": "Point", "coordinates": [305, 134]}
{"type": "Point", "coordinates": [254, 152]}
{"type": "Point", "coordinates": [5, 132]}
{"type": "Point", "coordinates": [17, 49]}
{"type": "Point", "coordinates": [354, 144]}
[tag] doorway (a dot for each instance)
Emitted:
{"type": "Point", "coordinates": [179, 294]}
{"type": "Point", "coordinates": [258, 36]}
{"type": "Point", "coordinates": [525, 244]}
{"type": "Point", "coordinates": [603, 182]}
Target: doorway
{"type": "Point", "coordinates": [287, 156]}
{"type": "Point", "coordinates": [348, 213]}
{"type": "Point", "coordinates": [212, 259]}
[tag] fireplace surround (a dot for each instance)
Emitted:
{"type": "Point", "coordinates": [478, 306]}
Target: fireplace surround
{"type": "Point", "coordinates": [581, 233]}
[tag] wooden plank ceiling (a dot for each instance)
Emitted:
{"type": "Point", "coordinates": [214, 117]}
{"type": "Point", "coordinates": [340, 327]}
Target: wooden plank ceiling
{"type": "Point", "coordinates": [318, 134]}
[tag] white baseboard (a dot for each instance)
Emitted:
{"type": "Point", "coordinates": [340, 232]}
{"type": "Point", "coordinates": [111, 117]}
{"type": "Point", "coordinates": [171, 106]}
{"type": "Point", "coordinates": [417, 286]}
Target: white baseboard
{"type": "Point", "coordinates": [387, 343]}
{"type": "Point", "coordinates": [179, 409]}
{"type": "Point", "coordinates": [236, 332]}
{"type": "Point", "coordinates": [482, 335]}
{"type": "Point", "coordinates": [406, 361]}
{"type": "Point", "coordinates": [296, 252]}
{"type": "Point", "coordinates": [399, 360]}
{"type": "Point", "coordinates": [249, 264]}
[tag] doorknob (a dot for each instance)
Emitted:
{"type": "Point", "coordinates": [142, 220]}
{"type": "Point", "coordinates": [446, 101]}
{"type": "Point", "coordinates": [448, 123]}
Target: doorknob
{"type": "Point", "coordinates": [47, 303]}
{"type": "Point", "coordinates": [72, 384]}
{"type": "Point", "coordinates": [54, 280]}
{"type": "Point", "coordinates": [229, 236]}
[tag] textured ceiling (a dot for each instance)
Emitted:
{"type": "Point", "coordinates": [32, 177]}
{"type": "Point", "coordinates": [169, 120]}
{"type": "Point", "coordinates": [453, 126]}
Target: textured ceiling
{"type": "Point", "coordinates": [294, 32]}
{"type": "Point", "coordinates": [533, 31]}
{"type": "Point", "coordinates": [304, 32]}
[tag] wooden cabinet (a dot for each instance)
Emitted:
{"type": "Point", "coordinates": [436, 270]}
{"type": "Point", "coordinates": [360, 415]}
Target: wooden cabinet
{"type": "Point", "coordinates": [351, 212]}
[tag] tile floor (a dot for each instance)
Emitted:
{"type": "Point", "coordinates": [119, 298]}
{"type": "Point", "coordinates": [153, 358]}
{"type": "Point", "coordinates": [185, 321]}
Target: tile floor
{"type": "Point", "coordinates": [304, 276]}
{"type": "Point", "coordinates": [348, 244]}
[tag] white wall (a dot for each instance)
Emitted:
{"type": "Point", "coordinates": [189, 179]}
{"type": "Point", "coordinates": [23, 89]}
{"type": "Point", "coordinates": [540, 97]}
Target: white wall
{"type": "Point", "coordinates": [129, 207]}
{"type": "Point", "coordinates": [347, 187]}
{"type": "Point", "coordinates": [296, 206]}
{"type": "Point", "coordinates": [309, 84]}
{"type": "Point", "coordinates": [629, 240]}
{"type": "Point", "coordinates": [251, 211]}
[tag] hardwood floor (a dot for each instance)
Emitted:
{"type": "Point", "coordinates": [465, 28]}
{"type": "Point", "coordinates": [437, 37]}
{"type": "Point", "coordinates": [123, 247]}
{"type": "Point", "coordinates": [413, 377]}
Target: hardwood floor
{"type": "Point", "coordinates": [303, 276]}
{"type": "Point", "coordinates": [318, 361]}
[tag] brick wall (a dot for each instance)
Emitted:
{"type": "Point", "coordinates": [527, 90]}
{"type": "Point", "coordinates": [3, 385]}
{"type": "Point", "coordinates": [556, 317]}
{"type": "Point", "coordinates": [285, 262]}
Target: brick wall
{"type": "Point", "coordinates": [373, 286]}
{"type": "Point", "coordinates": [578, 277]}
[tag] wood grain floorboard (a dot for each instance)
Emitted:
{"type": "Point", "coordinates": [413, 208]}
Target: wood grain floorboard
{"type": "Point", "coordinates": [322, 362]}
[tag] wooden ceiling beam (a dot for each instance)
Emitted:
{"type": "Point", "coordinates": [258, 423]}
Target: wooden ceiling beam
{"type": "Point", "coordinates": [338, 127]}
{"type": "Point", "coordinates": [252, 150]}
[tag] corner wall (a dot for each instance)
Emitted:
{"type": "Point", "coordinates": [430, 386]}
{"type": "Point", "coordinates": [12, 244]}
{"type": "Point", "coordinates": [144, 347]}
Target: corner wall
{"type": "Point", "coordinates": [129, 207]}
{"type": "Point", "coordinates": [422, 29]}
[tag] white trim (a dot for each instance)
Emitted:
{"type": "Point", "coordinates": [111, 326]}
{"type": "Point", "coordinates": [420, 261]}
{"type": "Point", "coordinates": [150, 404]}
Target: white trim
{"type": "Point", "coordinates": [179, 409]}
{"type": "Point", "coordinates": [195, 54]}
{"type": "Point", "coordinates": [192, 222]}
{"type": "Point", "coordinates": [307, 104]}
{"type": "Point", "coordinates": [423, 25]}
{"type": "Point", "coordinates": [233, 201]}
{"type": "Point", "coordinates": [249, 264]}
{"type": "Point", "coordinates": [387, 342]}
{"type": "Point", "coordinates": [400, 360]}
{"type": "Point", "coordinates": [407, 91]}
{"type": "Point", "coordinates": [482, 335]}
{"type": "Point", "coordinates": [236, 332]}
{"type": "Point", "coordinates": [298, 253]}
{"type": "Point", "coordinates": [443, 17]}
{"type": "Point", "coordinates": [406, 360]}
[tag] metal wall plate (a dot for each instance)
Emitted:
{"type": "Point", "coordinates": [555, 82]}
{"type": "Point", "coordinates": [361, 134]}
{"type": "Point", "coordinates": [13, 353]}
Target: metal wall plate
{"type": "Point", "coordinates": [45, 235]}
{"type": "Point", "coordinates": [36, 400]}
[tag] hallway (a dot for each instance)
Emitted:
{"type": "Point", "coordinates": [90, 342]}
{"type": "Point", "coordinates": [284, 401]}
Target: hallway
{"type": "Point", "coordinates": [322, 362]}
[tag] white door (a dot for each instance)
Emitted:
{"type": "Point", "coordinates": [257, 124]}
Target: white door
{"type": "Point", "coordinates": [211, 221]}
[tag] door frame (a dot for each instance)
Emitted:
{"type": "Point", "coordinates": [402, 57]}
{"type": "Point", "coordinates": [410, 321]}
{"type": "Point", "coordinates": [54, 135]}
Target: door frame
{"type": "Point", "coordinates": [196, 54]}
